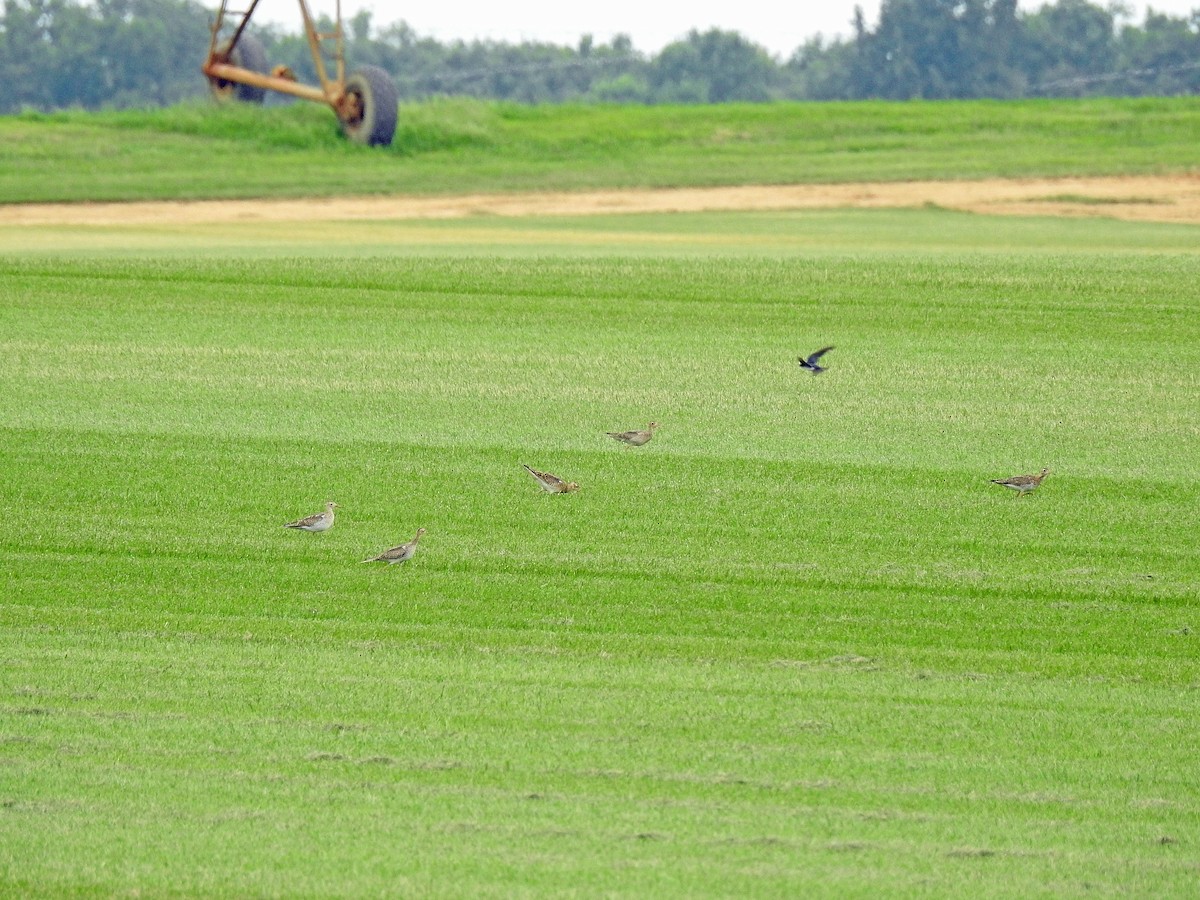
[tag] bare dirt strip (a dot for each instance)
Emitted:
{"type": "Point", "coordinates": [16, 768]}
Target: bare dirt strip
{"type": "Point", "coordinates": [1149, 198]}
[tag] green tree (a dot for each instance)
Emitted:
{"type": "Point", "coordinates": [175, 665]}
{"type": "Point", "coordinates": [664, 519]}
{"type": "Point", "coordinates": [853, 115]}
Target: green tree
{"type": "Point", "coordinates": [713, 67]}
{"type": "Point", "coordinates": [55, 53]}
{"type": "Point", "coordinates": [940, 49]}
{"type": "Point", "coordinates": [1069, 48]}
{"type": "Point", "coordinates": [28, 55]}
{"type": "Point", "coordinates": [820, 71]}
{"type": "Point", "coordinates": [1162, 57]}
{"type": "Point", "coordinates": [61, 53]}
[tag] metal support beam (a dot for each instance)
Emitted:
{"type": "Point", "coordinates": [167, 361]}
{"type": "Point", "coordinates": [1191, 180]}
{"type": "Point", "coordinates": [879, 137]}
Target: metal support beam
{"type": "Point", "coordinates": [226, 72]}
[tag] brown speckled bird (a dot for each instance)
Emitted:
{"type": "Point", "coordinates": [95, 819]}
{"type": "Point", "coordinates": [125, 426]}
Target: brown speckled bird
{"type": "Point", "coordinates": [400, 554]}
{"type": "Point", "coordinates": [551, 483]}
{"type": "Point", "coordinates": [321, 521]}
{"type": "Point", "coordinates": [1022, 484]}
{"type": "Point", "coordinates": [634, 438]}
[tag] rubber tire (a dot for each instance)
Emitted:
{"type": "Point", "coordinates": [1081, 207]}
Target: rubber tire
{"type": "Point", "coordinates": [380, 105]}
{"type": "Point", "coordinates": [248, 53]}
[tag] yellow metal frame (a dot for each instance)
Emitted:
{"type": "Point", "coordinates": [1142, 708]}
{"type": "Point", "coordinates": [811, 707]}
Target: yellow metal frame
{"type": "Point", "coordinates": [332, 90]}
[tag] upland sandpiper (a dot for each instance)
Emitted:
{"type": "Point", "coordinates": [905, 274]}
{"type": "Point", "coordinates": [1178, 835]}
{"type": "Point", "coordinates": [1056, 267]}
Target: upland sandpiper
{"type": "Point", "coordinates": [634, 438]}
{"type": "Point", "coordinates": [321, 521]}
{"type": "Point", "coordinates": [1022, 484]}
{"type": "Point", "coordinates": [402, 553]}
{"type": "Point", "coordinates": [551, 483]}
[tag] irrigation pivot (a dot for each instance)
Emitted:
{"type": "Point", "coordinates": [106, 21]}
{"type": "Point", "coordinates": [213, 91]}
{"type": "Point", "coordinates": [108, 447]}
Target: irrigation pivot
{"type": "Point", "coordinates": [236, 67]}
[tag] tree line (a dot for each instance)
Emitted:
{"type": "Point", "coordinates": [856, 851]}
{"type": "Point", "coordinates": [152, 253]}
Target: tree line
{"type": "Point", "coordinates": [134, 53]}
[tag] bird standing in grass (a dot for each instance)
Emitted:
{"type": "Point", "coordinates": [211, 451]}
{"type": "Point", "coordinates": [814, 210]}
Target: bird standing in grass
{"type": "Point", "coordinates": [634, 438]}
{"type": "Point", "coordinates": [810, 364]}
{"type": "Point", "coordinates": [321, 521]}
{"type": "Point", "coordinates": [551, 483]}
{"type": "Point", "coordinates": [1022, 484]}
{"type": "Point", "coordinates": [400, 554]}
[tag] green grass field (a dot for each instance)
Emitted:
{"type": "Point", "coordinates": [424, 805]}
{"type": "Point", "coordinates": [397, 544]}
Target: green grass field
{"type": "Point", "coordinates": [796, 645]}
{"type": "Point", "coordinates": [468, 146]}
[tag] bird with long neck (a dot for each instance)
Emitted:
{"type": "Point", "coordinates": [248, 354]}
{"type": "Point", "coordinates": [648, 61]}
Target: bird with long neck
{"type": "Point", "coordinates": [398, 554]}
{"type": "Point", "coordinates": [321, 521]}
{"type": "Point", "coordinates": [551, 483]}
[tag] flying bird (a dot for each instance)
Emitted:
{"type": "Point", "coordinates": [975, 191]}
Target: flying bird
{"type": "Point", "coordinates": [810, 364]}
{"type": "Point", "coordinates": [634, 438]}
{"type": "Point", "coordinates": [400, 554]}
{"type": "Point", "coordinates": [1022, 484]}
{"type": "Point", "coordinates": [551, 483]}
{"type": "Point", "coordinates": [321, 521]}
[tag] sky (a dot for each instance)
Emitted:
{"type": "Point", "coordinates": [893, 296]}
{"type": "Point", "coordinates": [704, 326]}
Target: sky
{"type": "Point", "coordinates": [651, 25]}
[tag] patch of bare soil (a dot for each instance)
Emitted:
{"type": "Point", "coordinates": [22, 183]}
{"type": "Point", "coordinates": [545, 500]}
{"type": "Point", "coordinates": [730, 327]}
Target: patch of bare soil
{"type": "Point", "coordinates": [1150, 198]}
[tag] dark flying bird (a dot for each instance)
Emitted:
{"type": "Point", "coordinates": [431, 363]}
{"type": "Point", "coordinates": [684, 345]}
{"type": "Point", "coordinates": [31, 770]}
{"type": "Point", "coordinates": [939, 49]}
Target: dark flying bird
{"type": "Point", "coordinates": [810, 364]}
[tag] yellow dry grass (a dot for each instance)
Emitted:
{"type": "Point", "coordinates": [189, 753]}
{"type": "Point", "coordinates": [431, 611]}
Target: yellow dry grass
{"type": "Point", "coordinates": [1147, 198]}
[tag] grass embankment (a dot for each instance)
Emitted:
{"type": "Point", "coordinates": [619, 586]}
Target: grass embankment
{"type": "Point", "coordinates": [461, 146]}
{"type": "Point", "coordinates": [796, 644]}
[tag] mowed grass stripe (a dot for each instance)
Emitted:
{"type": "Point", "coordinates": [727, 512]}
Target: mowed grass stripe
{"type": "Point", "coordinates": [788, 512]}
{"type": "Point", "coordinates": [557, 751]}
{"type": "Point", "coordinates": [796, 643]}
{"type": "Point", "coordinates": [465, 146]}
{"type": "Point", "coordinates": [814, 234]}
{"type": "Point", "coordinates": [428, 346]}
